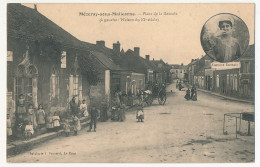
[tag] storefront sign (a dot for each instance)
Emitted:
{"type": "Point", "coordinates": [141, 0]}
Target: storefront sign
{"type": "Point", "coordinates": [225, 66]}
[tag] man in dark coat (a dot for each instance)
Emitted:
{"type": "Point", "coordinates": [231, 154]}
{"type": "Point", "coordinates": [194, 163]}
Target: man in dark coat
{"type": "Point", "coordinates": [93, 115]}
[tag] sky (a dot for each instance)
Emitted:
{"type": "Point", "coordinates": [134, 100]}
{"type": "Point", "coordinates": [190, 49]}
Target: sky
{"type": "Point", "coordinates": [174, 38]}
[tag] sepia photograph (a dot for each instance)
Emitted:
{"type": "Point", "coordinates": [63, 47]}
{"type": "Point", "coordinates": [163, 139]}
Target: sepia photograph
{"type": "Point", "coordinates": [130, 83]}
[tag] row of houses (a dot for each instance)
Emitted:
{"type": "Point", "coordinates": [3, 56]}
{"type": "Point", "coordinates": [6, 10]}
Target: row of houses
{"type": "Point", "coordinates": [49, 66]}
{"type": "Point", "coordinates": [238, 81]}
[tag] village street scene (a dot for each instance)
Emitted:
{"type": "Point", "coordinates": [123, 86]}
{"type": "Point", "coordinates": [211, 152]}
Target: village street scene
{"type": "Point", "coordinates": [74, 101]}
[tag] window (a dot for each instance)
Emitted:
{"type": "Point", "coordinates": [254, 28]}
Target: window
{"type": "Point", "coordinates": [227, 79]}
{"type": "Point", "coordinates": [63, 59]}
{"type": "Point", "coordinates": [54, 86]}
{"type": "Point", "coordinates": [217, 81]}
{"type": "Point", "coordinates": [231, 81]}
{"type": "Point", "coordinates": [235, 82]}
{"type": "Point", "coordinates": [140, 84]}
{"type": "Point", "coordinates": [246, 67]}
{"type": "Point", "coordinates": [76, 85]}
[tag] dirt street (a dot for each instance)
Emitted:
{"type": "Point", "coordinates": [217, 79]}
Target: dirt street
{"type": "Point", "coordinates": [179, 131]}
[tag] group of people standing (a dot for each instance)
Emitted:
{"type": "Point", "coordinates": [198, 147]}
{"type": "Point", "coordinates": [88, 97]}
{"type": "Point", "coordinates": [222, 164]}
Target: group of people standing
{"type": "Point", "coordinates": [30, 121]}
{"type": "Point", "coordinates": [191, 94]}
{"type": "Point", "coordinates": [83, 110]}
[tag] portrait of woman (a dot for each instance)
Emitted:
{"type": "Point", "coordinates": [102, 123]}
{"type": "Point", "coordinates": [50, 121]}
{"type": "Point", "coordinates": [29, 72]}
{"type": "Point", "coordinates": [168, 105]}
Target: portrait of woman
{"type": "Point", "coordinates": [224, 37]}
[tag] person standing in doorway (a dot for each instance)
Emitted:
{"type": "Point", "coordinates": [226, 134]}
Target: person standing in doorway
{"type": "Point", "coordinates": [73, 106]}
{"type": "Point", "coordinates": [40, 117]}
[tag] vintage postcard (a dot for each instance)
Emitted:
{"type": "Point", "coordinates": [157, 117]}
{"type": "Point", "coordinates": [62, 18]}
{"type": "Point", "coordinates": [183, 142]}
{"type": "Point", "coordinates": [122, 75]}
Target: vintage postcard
{"type": "Point", "coordinates": [130, 83]}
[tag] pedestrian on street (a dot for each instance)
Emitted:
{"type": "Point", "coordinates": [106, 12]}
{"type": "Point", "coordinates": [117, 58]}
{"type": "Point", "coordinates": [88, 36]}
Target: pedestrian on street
{"type": "Point", "coordinates": [194, 97]}
{"type": "Point", "coordinates": [73, 106]}
{"type": "Point", "coordinates": [94, 115]}
{"type": "Point", "coordinates": [187, 96]}
{"type": "Point", "coordinates": [192, 92]}
{"type": "Point", "coordinates": [66, 127]}
{"type": "Point", "coordinates": [76, 125]}
{"type": "Point", "coordinates": [139, 113]}
{"type": "Point", "coordinates": [180, 86]}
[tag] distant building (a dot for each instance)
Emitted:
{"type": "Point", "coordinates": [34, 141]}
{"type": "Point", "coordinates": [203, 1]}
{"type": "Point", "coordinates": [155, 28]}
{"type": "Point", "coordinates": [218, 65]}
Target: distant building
{"type": "Point", "coordinates": [179, 71]}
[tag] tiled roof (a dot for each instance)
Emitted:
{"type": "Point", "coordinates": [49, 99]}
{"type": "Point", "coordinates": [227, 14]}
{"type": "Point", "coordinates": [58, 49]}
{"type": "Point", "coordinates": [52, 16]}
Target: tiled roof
{"type": "Point", "coordinates": [106, 61]}
{"type": "Point", "coordinates": [27, 23]}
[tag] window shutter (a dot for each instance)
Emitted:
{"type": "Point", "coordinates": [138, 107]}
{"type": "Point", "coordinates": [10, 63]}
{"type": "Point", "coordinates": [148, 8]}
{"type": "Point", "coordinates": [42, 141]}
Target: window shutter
{"type": "Point", "coordinates": [70, 87]}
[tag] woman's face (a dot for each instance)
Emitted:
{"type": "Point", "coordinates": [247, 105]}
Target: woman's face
{"type": "Point", "coordinates": [226, 29]}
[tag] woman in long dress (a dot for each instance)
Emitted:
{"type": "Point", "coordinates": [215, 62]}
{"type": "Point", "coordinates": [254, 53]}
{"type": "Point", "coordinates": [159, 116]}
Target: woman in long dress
{"type": "Point", "coordinates": [187, 96]}
{"type": "Point", "coordinates": [194, 97]}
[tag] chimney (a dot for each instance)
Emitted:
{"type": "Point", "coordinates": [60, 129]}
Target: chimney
{"type": "Point", "coordinates": [137, 51]}
{"type": "Point", "coordinates": [100, 43]}
{"type": "Point", "coordinates": [116, 48]}
{"type": "Point", "coordinates": [147, 57]}
{"type": "Point", "coordinates": [181, 64]}
{"type": "Point", "coordinates": [35, 7]}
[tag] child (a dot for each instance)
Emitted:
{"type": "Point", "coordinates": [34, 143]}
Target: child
{"type": "Point", "coordinates": [83, 108]}
{"type": "Point", "coordinates": [56, 121]}
{"type": "Point", "coordinates": [49, 122]}
{"type": "Point", "coordinates": [76, 125]}
{"type": "Point", "coordinates": [93, 115]}
{"type": "Point", "coordinates": [40, 116]}
{"type": "Point", "coordinates": [31, 116]}
{"type": "Point", "coordinates": [66, 127]}
{"type": "Point", "coordinates": [140, 113]}
{"type": "Point", "coordinates": [9, 127]}
{"type": "Point", "coordinates": [28, 131]}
